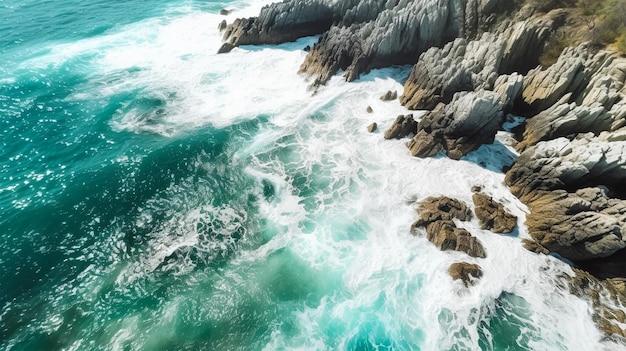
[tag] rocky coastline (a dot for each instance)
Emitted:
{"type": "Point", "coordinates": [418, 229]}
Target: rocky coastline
{"type": "Point", "coordinates": [475, 62]}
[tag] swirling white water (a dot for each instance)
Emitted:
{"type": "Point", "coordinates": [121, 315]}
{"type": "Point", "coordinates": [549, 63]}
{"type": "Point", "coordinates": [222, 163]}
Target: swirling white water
{"type": "Point", "coordinates": [204, 201]}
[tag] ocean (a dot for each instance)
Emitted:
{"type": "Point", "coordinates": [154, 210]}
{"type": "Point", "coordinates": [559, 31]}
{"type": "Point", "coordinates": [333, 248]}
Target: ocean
{"type": "Point", "coordinates": [157, 196]}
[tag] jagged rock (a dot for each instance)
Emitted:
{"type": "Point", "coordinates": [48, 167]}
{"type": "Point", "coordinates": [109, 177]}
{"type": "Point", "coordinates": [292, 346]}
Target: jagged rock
{"type": "Point", "coordinates": [470, 120]}
{"type": "Point", "coordinates": [466, 272]}
{"type": "Point", "coordinates": [282, 22]}
{"type": "Point", "coordinates": [446, 236]}
{"type": "Point", "coordinates": [369, 109]}
{"type": "Point", "coordinates": [463, 65]}
{"type": "Point", "coordinates": [389, 95]}
{"type": "Point", "coordinates": [565, 164]}
{"type": "Point", "coordinates": [492, 215]}
{"type": "Point", "coordinates": [565, 119]}
{"type": "Point", "coordinates": [225, 48]}
{"type": "Point", "coordinates": [576, 226]}
{"type": "Point", "coordinates": [400, 32]}
{"type": "Point", "coordinates": [509, 87]}
{"type": "Point", "coordinates": [372, 127]}
{"type": "Point", "coordinates": [436, 214]}
{"type": "Point", "coordinates": [222, 25]}
{"type": "Point", "coordinates": [543, 88]}
{"type": "Point", "coordinates": [440, 208]}
{"type": "Point", "coordinates": [402, 127]}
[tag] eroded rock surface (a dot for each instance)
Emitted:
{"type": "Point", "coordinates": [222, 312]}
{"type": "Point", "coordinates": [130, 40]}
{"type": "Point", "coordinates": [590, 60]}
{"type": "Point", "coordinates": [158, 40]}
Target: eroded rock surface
{"type": "Point", "coordinates": [492, 215]}
{"type": "Point", "coordinates": [470, 120]}
{"type": "Point", "coordinates": [403, 126]}
{"type": "Point", "coordinates": [468, 273]}
{"type": "Point", "coordinates": [436, 214]}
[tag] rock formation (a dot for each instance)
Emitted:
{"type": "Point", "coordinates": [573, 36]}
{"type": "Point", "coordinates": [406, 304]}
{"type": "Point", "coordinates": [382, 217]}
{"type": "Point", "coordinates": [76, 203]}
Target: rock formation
{"type": "Point", "coordinates": [470, 120]}
{"type": "Point", "coordinates": [402, 127]}
{"type": "Point", "coordinates": [492, 215]}
{"type": "Point", "coordinates": [466, 272]}
{"type": "Point", "coordinates": [436, 215]}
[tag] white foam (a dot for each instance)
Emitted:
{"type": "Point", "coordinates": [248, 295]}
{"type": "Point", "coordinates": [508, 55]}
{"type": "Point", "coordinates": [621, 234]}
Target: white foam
{"type": "Point", "coordinates": [355, 223]}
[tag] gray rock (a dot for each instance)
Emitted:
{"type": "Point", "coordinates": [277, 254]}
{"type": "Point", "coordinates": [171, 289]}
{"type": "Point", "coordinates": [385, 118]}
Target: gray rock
{"type": "Point", "coordinates": [441, 208]}
{"type": "Point", "coordinates": [222, 26]}
{"type": "Point", "coordinates": [470, 120]}
{"type": "Point", "coordinates": [225, 48]}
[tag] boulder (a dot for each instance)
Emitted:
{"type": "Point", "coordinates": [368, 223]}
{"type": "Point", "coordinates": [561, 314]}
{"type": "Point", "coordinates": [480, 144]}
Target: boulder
{"type": "Point", "coordinates": [402, 127]}
{"type": "Point", "coordinates": [372, 127]}
{"type": "Point", "coordinates": [468, 273]}
{"type": "Point", "coordinates": [369, 109]}
{"type": "Point", "coordinates": [389, 95]}
{"type": "Point", "coordinates": [492, 215]}
{"type": "Point", "coordinates": [441, 208]}
{"type": "Point", "coordinates": [470, 120]}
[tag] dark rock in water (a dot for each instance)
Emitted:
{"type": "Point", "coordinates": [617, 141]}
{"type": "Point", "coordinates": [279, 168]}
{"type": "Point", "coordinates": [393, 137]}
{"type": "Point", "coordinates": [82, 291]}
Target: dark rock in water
{"type": "Point", "coordinates": [436, 214]}
{"type": "Point", "coordinates": [477, 188]}
{"type": "Point", "coordinates": [372, 127]}
{"type": "Point", "coordinates": [225, 48]}
{"type": "Point", "coordinates": [307, 48]}
{"type": "Point", "coordinates": [389, 95]}
{"type": "Point", "coordinates": [402, 127]}
{"type": "Point", "coordinates": [492, 215]}
{"type": "Point", "coordinates": [466, 272]}
{"type": "Point", "coordinates": [446, 236]}
{"type": "Point", "coordinates": [225, 12]}
{"type": "Point", "coordinates": [369, 109]}
{"type": "Point", "coordinates": [222, 25]}
{"type": "Point", "coordinates": [470, 120]}
{"type": "Point", "coordinates": [440, 208]}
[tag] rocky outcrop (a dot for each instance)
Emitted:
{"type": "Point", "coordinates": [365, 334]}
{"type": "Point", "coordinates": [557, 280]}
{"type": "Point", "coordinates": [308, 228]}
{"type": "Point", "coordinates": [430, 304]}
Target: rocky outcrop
{"type": "Point", "coordinates": [397, 36]}
{"type": "Point", "coordinates": [282, 22]}
{"type": "Point", "coordinates": [580, 93]}
{"type": "Point", "coordinates": [584, 224]}
{"type": "Point", "coordinates": [436, 215]}
{"type": "Point", "coordinates": [402, 127]}
{"type": "Point", "coordinates": [463, 65]}
{"type": "Point", "coordinates": [470, 120]}
{"type": "Point", "coordinates": [468, 273]}
{"type": "Point", "coordinates": [492, 215]}
{"type": "Point", "coordinates": [564, 164]}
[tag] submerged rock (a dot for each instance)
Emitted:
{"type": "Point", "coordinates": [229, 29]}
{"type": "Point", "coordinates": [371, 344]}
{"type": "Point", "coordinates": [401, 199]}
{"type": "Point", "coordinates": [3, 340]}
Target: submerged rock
{"type": "Point", "coordinates": [468, 273]}
{"type": "Point", "coordinates": [492, 215]}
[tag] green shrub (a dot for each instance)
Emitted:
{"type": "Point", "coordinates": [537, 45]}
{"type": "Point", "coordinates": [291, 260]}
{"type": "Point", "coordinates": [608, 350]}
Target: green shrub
{"type": "Point", "coordinates": [621, 43]}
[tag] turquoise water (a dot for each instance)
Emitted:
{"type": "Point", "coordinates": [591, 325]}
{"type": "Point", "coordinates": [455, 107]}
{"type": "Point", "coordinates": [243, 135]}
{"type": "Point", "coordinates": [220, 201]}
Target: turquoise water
{"type": "Point", "coordinates": [155, 196]}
